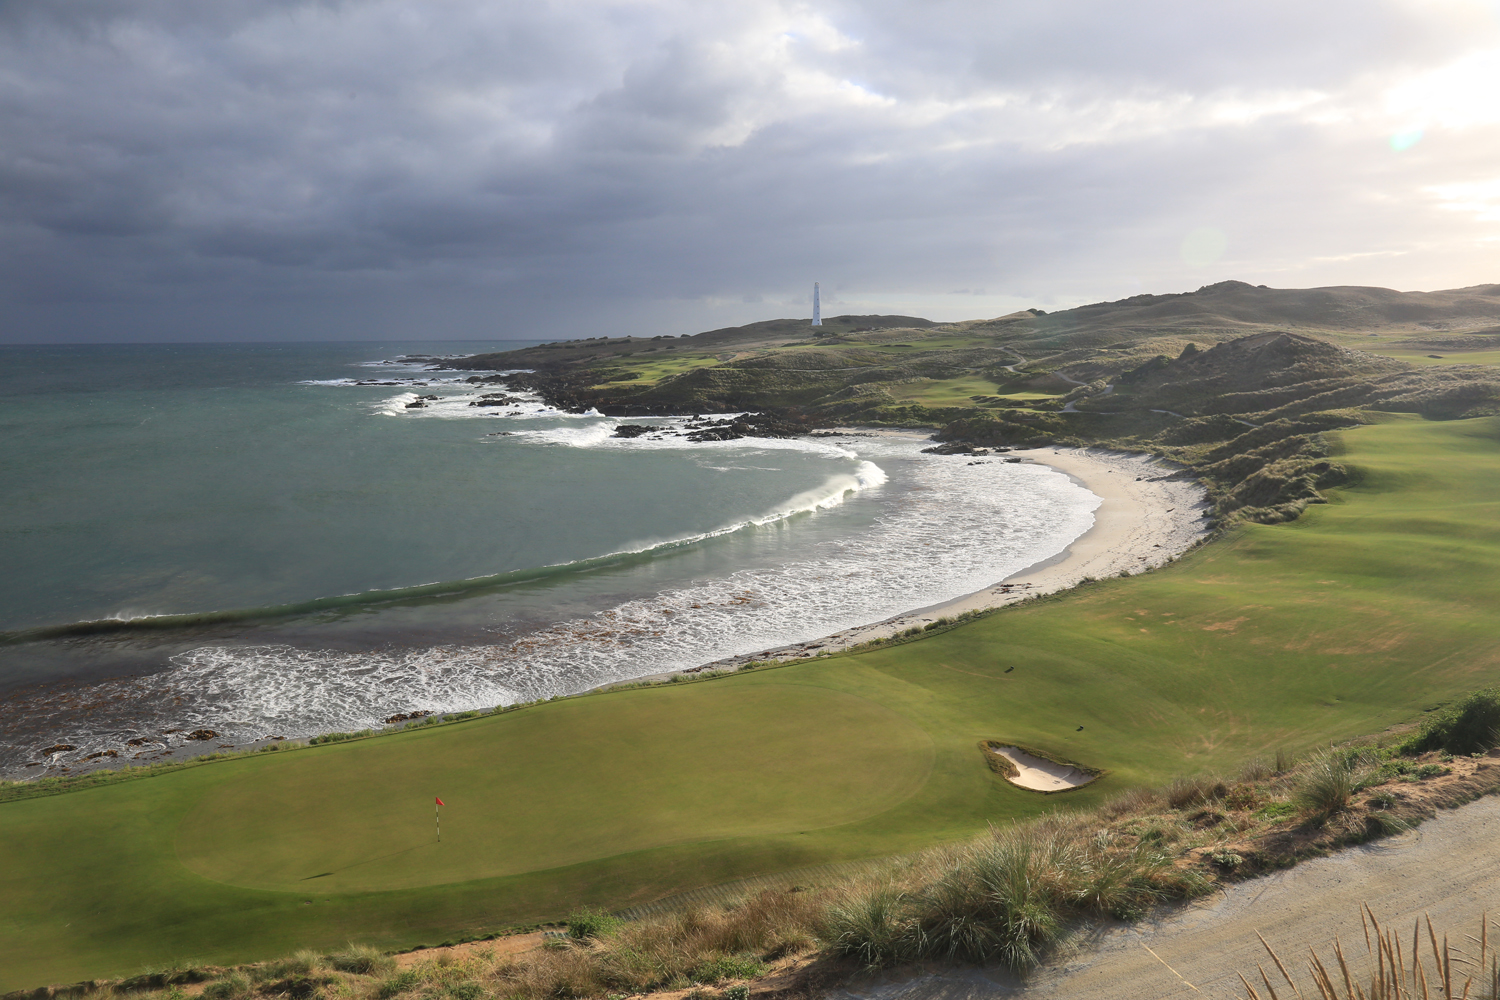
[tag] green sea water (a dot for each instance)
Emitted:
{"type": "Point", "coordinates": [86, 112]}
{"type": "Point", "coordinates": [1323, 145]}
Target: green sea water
{"type": "Point", "coordinates": [246, 537]}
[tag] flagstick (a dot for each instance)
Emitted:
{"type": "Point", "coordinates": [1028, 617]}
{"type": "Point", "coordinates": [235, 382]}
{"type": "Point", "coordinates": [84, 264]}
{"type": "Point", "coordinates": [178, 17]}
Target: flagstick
{"type": "Point", "coordinates": [437, 816]}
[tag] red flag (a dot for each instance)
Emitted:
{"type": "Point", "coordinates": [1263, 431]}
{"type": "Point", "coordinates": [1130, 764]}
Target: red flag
{"type": "Point", "coordinates": [439, 801]}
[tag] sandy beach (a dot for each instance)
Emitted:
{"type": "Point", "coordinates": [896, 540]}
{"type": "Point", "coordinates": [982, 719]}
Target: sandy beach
{"type": "Point", "coordinates": [1145, 518]}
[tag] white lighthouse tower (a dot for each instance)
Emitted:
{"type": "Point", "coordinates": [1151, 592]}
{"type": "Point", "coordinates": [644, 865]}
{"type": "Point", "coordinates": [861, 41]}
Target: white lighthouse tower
{"type": "Point", "coordinates": [817, 309]}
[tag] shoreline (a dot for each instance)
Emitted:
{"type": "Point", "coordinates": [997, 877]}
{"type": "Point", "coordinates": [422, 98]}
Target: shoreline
{"type": "Point", "coordinates": [1146, 518]}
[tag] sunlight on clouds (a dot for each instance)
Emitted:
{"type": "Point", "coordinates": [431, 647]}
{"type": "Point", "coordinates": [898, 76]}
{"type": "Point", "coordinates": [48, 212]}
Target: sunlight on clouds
{"type": "Point", "coordinates": [1478, 198]}
{"type": "Point", "coordinates": [1459, 95]}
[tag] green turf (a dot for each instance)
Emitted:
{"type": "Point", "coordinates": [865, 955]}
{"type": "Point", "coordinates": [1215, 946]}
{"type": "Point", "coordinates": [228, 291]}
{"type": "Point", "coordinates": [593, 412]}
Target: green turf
{"type": "Point", "coordinates": [1357, 616]}
{"type": "Point", "coordinates": [1426, 358]}
{"type": "Point", "coordinates": [944, 392]}
{"type": "Point", "coordinates": [771, 759]}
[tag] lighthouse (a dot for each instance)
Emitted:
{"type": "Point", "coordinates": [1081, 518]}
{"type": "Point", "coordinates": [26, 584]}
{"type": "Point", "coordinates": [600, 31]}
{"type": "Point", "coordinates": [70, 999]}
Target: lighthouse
{"type": "Point", "coordinates": [817, 309]}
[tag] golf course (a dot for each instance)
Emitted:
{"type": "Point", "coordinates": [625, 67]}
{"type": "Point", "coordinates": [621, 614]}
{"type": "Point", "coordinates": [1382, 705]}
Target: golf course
{"type": "Point", "coordinates": [1357, 616]}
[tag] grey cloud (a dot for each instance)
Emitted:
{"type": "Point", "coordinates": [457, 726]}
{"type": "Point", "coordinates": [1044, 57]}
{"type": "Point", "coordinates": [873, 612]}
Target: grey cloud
{"type": "Point", "coordinates": [351, 169]}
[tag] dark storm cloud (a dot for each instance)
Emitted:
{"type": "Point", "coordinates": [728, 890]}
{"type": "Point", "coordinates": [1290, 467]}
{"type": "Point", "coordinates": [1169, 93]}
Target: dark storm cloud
{"type": "Point", "coordinates": [346, 169]}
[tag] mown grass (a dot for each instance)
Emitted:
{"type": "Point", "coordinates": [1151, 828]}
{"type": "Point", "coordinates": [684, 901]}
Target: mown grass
{"type": "Point", "coordinates": [1360, 615]}
{"type": "Point", "coordinates": [1006, 896]}
{"type": "Point", "coordinates": [1425, 357]}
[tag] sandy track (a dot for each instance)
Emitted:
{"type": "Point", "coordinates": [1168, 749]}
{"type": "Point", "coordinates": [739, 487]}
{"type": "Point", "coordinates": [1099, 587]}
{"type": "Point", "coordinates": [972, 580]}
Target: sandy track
{"type": "Point", "coordinates": [1448, 867]}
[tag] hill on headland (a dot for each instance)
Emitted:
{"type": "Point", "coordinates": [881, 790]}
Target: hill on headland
{"type": "Point", "coordinates": [1236, 381]}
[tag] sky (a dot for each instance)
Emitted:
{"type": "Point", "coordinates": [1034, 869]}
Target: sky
{"type": "Point", "coordinates": [173, 170]}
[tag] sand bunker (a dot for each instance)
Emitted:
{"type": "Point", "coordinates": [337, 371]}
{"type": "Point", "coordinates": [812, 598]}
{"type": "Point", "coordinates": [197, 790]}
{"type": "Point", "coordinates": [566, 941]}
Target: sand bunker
{"type": "Point", "coordinates": [1037, 773]}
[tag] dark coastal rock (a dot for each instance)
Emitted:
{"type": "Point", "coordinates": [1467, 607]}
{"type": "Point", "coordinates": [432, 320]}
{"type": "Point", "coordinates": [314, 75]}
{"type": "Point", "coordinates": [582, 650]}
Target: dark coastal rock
{"type": "Point", "coordinates": [202, 734]}
{"type": "Point", "coordinates": [746, 425]}
{"type": "Point", "coordinates": [416, 405]}
{"type": "Point", "coordinates": [141, 741]}
{"type": "Point", "coordinates": [634, 430]}
{"type": "Point", "coordinates": [406, 716]}
{"type": "Point", "coordinates": [59, 748]}
{"type": "Point", "coordinates": [102, 753]}
{"type": "Point", "coordinates": [955, 448]}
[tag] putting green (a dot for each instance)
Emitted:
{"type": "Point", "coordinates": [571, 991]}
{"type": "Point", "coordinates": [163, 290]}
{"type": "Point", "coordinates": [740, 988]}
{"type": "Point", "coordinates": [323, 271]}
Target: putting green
{"type": "Point", "coordinates": [551, 788]}
{"type": "Point", "coordinates": [1359, 615]}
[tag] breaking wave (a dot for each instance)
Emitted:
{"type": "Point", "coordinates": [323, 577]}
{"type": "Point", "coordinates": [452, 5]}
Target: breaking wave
{"type": "Point", "coordinates": [954, 528]}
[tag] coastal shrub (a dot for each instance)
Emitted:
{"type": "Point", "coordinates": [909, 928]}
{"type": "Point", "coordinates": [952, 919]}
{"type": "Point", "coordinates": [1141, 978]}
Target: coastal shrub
{"type": "Point", "coordinates": [1131, 802]}
{"type": "Point", "coordinates": [1471, 726]}
{"type": "Point", "coordinates": [339, 737]}
{"type": "Point", "coordinates": [232, 987]}
{"type": "Point", "coordinates": [869, 926]}
{"type": "Point", "coordinates": [1192, 791]}
{"type": "Point", "coordinates": [303, 963]}
{"type": "Point", "coordinates": [739, 991]}
{"type": "Point", "coordinates": [1255, 769]}
{"type": "Point", "coordinates": [1432, 771]}
{"type": "Point", "coordinates": [716, 970]}
{"type": "Point", "coordinates": [467, 990]}
{"type": "Point", "coordinates": [590, 923]}
{"type": "Point", "coordinates": [401, 982]}
{"type": "Point", "coordinates": [362, 960]}
{"type": "Point", "coordinates": [1330, 779]}
{"type": "Point", "coordinates": [1005, 898]}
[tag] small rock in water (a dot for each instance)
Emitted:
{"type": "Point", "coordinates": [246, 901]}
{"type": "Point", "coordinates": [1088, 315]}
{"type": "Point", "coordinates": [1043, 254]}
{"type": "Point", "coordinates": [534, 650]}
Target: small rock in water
{"type": "Point", "coordinates": [634, 430]}
{"type": "Point", "coordinates": [202, 734]}
{"type": "Point", "coordinates": [59, 748]}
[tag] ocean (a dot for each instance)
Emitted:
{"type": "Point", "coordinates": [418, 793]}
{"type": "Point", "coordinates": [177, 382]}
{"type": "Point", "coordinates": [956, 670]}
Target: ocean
{"type": "Point", "coordinates": [266, 540]}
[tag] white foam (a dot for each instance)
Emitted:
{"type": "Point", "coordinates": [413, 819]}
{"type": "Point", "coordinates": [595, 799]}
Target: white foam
{"type": "Point", "coordinates": [956, 529]}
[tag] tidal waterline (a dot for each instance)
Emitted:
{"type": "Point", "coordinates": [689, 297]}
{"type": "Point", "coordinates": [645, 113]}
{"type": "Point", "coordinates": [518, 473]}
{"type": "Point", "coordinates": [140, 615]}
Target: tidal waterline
{"type": "Point", "coordinates": [375, 558]}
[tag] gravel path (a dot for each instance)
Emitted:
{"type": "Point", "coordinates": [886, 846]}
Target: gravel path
{"type": "Point", "coordinates": [1448, 867]}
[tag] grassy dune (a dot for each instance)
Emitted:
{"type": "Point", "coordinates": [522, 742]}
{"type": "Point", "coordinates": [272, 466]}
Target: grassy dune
{"type": "Point", "coordinates": [1359, 615]}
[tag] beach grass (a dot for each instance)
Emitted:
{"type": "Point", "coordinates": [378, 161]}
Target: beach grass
{"type": "Point", "coordinates": [1361, 614]}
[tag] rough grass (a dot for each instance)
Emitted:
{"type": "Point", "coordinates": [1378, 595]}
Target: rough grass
{"type": "Point", "coordinates": [1004, 898]}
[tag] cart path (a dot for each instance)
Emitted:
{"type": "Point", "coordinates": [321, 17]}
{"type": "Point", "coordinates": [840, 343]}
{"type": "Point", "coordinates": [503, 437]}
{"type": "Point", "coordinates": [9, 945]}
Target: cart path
{"type": "Point", "coordinates": [1448, 867]}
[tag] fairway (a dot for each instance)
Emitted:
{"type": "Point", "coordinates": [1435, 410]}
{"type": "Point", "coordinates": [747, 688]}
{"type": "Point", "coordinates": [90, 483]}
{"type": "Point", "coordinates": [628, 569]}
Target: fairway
{"type": "Point", "coordinates": [557, 786]}
{"type": "Point", "coordinates": [1358, 616]}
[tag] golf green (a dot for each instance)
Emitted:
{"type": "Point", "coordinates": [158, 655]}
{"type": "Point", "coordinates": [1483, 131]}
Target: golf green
{"type": "Point", "coordinates": [556, 786]}
{"type": "Point", "coordinates": [1360, 615]}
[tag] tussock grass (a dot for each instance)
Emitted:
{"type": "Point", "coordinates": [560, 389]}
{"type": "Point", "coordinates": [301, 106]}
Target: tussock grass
{"type": "Point", "coordinates": [362, 959]}
{"type": "Point", "coordinates": [1395, 968]}
{"type": "Point", "coordinates": [1004, 897]}
{"type": "Point", "coordinates": [1329, 780]}
{"type": "Point", "coordinates": [1195, 790]}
